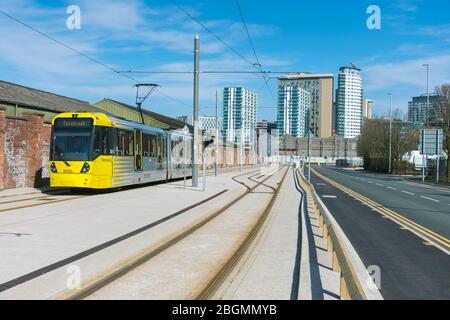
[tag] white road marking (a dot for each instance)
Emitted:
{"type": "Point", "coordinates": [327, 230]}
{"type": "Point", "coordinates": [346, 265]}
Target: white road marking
{"type": "Point", "coordinates": [430, 199]}
{"type": "Point", "coordinates": [329, 197]}
{"type": "Point", "coordinates": [409, 193]}
{"type": "Point", "coordinates": [381, 185]}
{"type": "Point", "coordinates": [371, 182]}
{"type": "Point", "coordinates": [391, 188]}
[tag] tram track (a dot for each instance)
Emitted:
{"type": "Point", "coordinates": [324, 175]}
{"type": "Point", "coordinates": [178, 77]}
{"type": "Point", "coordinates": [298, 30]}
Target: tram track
{"type": "Point", "coordinates": [223, 273]}
{"type": "Point", "coordinates": [39, 199]}
{"type": "Point", "coordinates": [64, 262]}
{"type": "Point", "coordinates": [113, 276]}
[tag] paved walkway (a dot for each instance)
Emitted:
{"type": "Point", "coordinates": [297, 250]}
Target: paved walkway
{"type": "Point", "coordinates": [40, 237]}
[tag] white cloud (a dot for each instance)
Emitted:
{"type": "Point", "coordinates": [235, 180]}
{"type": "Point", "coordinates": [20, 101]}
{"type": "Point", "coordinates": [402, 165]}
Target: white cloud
{"type": "Point", "coordinates": [406, 5]}
{"type": "Point", "coordinates": [117, 33]}
{"type": "Point", "coordinates": [386, 76]}
{"type": "Point", "coordinates": [403, 79]}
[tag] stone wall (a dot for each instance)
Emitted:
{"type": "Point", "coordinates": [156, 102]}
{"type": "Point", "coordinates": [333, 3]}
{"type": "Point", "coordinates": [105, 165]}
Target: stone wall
{"type": "Point", "coordinates": [24, 151]}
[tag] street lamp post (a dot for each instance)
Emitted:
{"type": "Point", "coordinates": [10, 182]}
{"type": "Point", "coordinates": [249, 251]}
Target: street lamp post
{"type": "Point", "coordinates": [428, 93]}
{"type": "Point", "coordinates": [425, 162]}
{"type": "Point", "coordinates": [390, 132]}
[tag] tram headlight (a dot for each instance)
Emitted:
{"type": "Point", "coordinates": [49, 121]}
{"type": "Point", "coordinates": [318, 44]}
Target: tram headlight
{"type": "Point", "coordinates": [86, 167]}
{"type": "Point", "coordinates": [53, 168]}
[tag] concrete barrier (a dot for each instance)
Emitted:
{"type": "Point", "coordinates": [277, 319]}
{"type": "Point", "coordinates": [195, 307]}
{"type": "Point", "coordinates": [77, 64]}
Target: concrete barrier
{"type": "Point", "coordinates": [356, 282]}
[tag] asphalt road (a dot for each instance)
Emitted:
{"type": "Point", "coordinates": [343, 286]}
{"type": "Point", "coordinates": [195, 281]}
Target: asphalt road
{"type": "Point", "coordinates": [411, 268]}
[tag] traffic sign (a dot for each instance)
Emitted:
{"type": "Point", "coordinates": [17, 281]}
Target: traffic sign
{"type": "Point", "coordinates": [431, 141]}
{"type": "Point", "coordinates": [185, 130]}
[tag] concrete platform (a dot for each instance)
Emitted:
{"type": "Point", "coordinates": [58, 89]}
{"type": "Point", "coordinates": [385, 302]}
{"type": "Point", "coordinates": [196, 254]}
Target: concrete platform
{"type": "Point", "coordinates": [35, 238]}
{"type": "Point", "coordinates": [183, 270]}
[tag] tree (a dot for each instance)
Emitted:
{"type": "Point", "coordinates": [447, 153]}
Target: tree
{"type": "Point", "coordinates": [440, 115]}
{"type": "Point", "coordinates": [373, 144]}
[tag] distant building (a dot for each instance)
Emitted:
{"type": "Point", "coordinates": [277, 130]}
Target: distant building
{"type": "Point", "coordinates": [320, 87]}
{"type": "Point", "coordinates": [349, 102]}
{"type": "Point", "coordinates": [367, 109]}
{"type": "Point", "coordinates": [267, 134]}
{"type": "Point", "coordinates": [186, 119]}
{"type": "Point", "coordinates": [209, 124]}
{"type": "Point", "coordinates": [417, 109]}
{"type": "Point", "coordinates": [239, 108]}
{"type": "Point", "coordinates": [204, 123]}
{"type": "Point", "coordinates": [269, 126]}
{"type": "Point", "coordinates": [293, 111]}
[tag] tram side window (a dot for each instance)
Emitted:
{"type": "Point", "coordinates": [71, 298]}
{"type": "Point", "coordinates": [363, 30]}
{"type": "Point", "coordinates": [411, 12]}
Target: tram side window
{"type": "Point", "coordinates": [125, 143]}
{"type": "Point", "coordinates": [164, 146]}
{"type": "Point", "coordinates": [105, 140]}
{"type": "Point", "coordinates": [149, 145]}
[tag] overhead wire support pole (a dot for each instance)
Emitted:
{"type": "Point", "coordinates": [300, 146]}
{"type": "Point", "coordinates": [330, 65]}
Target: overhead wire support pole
{"type": "Point", "coordinates": [196, 142]}
{"type": "Point", "coordinates": [217, 136]}
{"type": "Point", "coordinates": [309, 155]}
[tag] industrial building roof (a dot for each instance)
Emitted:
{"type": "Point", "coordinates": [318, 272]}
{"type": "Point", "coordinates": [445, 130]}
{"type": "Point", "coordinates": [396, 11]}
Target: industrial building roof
{"type": "Point", "coordinates": [12, 93]}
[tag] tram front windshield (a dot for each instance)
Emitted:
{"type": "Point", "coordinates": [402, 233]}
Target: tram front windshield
{"type": "Point", "coordinates": [72, 139]}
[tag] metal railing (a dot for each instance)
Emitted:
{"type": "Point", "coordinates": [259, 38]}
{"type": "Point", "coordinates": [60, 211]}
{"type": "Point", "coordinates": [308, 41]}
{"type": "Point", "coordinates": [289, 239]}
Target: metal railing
{"type": "Point", "coordinates": [355, 281]}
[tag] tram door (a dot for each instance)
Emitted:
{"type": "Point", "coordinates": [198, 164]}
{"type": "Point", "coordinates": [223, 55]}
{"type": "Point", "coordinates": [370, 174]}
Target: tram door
{"type": "Point", "coordinates": [138, 150]}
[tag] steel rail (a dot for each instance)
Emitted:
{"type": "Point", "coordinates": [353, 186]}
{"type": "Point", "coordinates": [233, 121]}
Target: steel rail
{"type": "Point", "coordinates": [220, 277]}
{"type": "Point", "coordinates": [134, 263]}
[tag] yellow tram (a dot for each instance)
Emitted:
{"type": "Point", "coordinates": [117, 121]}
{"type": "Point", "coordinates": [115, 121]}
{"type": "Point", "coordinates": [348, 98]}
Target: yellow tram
{"type": "Point", "coordinates": [98, 151]}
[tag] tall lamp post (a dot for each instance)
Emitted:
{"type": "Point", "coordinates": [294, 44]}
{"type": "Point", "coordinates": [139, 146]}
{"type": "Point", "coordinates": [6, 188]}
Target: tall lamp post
{"type": "Point", "coordinates": [425, 162]}
{"type": "Point", "coordinates": [390, 132]}
{"type": "Point", "coordinates": [428, 93]}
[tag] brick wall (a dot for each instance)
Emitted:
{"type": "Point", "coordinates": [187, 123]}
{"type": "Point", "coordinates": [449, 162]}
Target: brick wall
{"type": "Point", "coordinates": [24, 151]}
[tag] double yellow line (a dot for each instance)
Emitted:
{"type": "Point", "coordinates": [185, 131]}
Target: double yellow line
{"type": "Point", "coordinates": [394, 215]}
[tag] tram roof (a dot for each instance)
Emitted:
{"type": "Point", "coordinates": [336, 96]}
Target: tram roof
{"type": "Point", "coordinates": [172, 123]}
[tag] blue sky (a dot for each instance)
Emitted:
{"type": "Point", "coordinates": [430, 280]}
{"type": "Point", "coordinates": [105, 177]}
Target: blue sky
{"type": "Point", "coordinates": [289, 35]}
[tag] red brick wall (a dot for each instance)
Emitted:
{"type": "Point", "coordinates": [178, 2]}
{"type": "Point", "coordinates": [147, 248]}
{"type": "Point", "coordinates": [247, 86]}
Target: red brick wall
{"type": "Point", "coordinates": [24, 150]}
{"type": "Point", "coordinates": [2, 149]}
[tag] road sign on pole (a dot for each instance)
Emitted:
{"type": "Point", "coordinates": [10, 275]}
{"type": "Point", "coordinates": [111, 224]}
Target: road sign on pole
{"type": "Point", "coordinates": [431, 143]}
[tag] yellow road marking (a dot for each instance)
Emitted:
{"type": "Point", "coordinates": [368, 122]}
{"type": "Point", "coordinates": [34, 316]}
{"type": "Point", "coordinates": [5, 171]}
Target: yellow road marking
{"type": "Point", "coordinates": [441, 239]}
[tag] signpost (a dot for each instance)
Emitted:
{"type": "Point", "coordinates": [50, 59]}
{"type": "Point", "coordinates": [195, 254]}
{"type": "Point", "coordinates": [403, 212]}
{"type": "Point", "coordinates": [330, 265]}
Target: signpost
{"type": "Point", "coordinates": [431, 143]}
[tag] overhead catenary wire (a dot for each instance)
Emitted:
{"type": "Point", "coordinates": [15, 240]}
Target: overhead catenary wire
{"type": "Point", "coordinates": [104, 65]}
{"type": "Point", "coordinates": [207, 72]}
{"type": "Point", "coordinates": [215, 36]}
{"type": "Point", "coordinates": [248, 33]}
{"type": "Point", "coordinates": [266, 79]}
{"type": "Point", "coordinates": [65, 45]}
{"type": "Point", "coordinates": [218, 38]}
